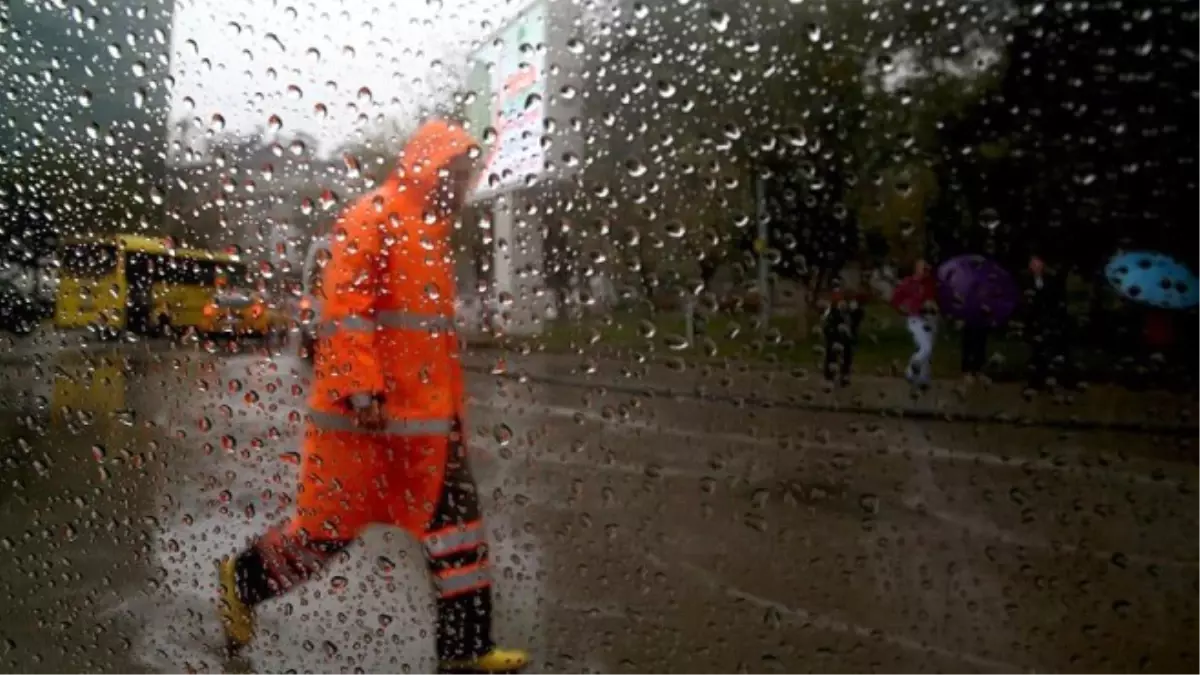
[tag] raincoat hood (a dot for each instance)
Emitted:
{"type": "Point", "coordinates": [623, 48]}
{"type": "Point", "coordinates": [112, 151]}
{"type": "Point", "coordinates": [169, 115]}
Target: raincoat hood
{"type": "Point", "coordinates": [431, 148]}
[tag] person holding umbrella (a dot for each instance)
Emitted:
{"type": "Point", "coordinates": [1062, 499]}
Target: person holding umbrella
{"type": "Point", "coordinates": [916, 298]}
{"type": "Point", "coordinates": [981, 294]}
{"type": "Point", "coordinates": [1158, 283]}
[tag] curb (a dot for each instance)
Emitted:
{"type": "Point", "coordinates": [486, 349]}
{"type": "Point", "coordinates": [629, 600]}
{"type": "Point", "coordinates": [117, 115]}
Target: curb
{"type": "Point", "coordinates": [750, 365]}
{"type": "Point", "coordinates": [907, 412]}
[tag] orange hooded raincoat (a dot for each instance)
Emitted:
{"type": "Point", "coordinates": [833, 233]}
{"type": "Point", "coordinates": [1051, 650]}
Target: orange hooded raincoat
{"type": "Point", "coordinates": [387, 331]}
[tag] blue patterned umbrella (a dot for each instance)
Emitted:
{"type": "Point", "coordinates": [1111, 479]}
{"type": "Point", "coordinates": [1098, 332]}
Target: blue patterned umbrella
{"type": "Point", "coordinates": [1153, 279]}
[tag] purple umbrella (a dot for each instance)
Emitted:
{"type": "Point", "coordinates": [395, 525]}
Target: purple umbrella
{"type": "Point", "coordinates": [977, 290]}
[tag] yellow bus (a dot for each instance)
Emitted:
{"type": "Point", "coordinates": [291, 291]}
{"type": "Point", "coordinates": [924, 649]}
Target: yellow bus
{"type": "Point", "coordinates": [140, 284]}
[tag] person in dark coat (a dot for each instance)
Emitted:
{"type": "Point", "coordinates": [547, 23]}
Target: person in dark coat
{"type": "Point", "coordinates": [1047, 325]}
{"type": "Point", "coordinates": [840, 324]}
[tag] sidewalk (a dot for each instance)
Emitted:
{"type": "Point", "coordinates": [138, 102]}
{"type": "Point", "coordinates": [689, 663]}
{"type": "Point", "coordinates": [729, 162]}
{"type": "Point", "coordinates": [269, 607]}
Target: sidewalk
{"type": "Point", "coordinates": [46, 341]}
{"type": "Point", "coordinates": [1099, 407]}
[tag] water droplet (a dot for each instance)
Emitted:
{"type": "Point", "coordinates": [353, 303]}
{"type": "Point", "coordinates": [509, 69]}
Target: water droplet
{"type": "Point", "coordinates": [718, 20]}
{"type": "Point", "coordinates": [503, 434]}
{"type": "Point", "coordinates": [328, 199]}
{"type": "Point", "coordinates": [989, 219]}
{"type": "Point", "coordinates": [676, 343]}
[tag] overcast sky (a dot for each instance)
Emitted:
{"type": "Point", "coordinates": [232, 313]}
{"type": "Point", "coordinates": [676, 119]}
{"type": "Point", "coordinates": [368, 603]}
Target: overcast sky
{"type": "Point", "coordinates": [319, 65]}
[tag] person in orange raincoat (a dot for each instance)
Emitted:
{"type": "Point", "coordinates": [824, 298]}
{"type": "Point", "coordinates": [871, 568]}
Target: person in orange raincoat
{"type": "Point", "coordinates": [383, 440]}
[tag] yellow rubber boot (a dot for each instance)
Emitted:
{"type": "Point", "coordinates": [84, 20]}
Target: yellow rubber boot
{"type": "Point", "coordinates": [498, 660]}
{"type": "Point", "coordinates": [237, 618]}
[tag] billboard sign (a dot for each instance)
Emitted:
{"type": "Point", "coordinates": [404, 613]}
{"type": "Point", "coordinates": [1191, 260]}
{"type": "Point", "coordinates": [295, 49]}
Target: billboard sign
{"type": "Point", "coordinates": [509, 78]}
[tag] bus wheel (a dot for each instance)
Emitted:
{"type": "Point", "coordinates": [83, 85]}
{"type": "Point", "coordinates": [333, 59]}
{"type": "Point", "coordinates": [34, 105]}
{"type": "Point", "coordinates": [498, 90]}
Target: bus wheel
{"type": "Point", "coordinates": [164, 326]}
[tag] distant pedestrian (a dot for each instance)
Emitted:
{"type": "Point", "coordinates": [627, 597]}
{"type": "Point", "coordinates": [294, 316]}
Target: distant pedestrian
{"type": "Point", "coordinates": [1047, 325]}
{"type": "Point", "coordinates": [916, 297]}
{"type": "Point", "coordinates": [840, 325]}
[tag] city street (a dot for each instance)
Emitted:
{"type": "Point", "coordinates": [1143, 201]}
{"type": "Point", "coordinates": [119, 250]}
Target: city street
{"type": "Point", "coordinates": [629, 532]}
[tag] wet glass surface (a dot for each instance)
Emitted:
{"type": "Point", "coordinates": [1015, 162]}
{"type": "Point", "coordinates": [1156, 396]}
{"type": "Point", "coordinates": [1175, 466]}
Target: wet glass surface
{"type": "Point", "coordinates": [795, 336]}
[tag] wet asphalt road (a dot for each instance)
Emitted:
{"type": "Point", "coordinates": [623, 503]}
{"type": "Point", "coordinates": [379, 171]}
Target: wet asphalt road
{"type": "Point", "coordinates": [628, 533]}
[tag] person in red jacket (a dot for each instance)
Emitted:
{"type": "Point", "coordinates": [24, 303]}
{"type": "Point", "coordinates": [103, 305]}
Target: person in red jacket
{"type": "Point", "coordinates": [916, 297]}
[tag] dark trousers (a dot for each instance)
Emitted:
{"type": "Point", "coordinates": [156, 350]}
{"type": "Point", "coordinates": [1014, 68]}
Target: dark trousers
{"type": "Point", "coordinates": [277, 563]}
{"type": "Point", "coordinates": [839, 357]}
{"type": "Point", "coordinates": [974, 348]}
{"type": "Point", "coordinates": [1049, 358]}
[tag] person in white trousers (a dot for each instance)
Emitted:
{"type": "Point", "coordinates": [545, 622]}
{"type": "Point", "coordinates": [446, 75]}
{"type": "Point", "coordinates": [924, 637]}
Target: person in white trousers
{"type": "Point", "coordinates": [924, 332]}
{"type": "Point", "coordinates": [915, 296]}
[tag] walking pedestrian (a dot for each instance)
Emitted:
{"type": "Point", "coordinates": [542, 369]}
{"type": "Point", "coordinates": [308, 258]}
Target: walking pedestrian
{"type": "Point", "coordinates": [840, 325]}
{"type": "Point", "coordinates": [1047, 325]}
{"type": "Point", "coordinates": [384, 439]}
{"type": "Point", "coordinates": [916, 297]}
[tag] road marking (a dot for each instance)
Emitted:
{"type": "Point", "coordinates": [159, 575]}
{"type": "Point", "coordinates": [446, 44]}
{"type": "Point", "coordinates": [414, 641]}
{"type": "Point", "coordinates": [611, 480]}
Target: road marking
{"type": "Point", "coordinates": [647, 470]}
{"type": "Point", "coordinates": [828, 623]}
{"type": "Point", "coordinates": [631, 427]}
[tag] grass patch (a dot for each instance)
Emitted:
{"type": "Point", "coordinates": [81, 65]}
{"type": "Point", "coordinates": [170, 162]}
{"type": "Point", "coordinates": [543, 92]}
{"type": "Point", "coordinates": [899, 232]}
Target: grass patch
{"type": "Point", "coordinates": [884, 343]}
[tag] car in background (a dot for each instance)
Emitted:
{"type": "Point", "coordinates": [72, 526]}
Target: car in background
{"type": "Point", "coordinates": [239, 312]}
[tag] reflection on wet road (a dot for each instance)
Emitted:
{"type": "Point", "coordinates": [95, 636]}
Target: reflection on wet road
{"type": "Point", "coordinates": [628, 533]}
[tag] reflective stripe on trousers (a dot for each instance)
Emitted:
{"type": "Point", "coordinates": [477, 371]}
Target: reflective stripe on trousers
{"type": "Point", "coordinates": [391, 318]}
{"type": "Point", "coordinates": [459, 580]}
{"type": "Point", "coordinates": [327, 421]}
{"type": "Point", "coordinates": [453, 539]}
{"type": "Point", "coordinates": [458, 559]}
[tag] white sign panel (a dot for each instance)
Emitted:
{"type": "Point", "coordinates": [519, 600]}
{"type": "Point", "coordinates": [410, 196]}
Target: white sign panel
{"type": "Point", "coordinates": [510, 80]}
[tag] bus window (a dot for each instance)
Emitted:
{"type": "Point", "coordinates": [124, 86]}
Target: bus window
{"type": "Point", "coordinates": [234, 274]}
{"type": "Point", "coordinates": [89, 260]}
{"type": "Point", "coordinates": [190, 272]}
